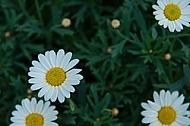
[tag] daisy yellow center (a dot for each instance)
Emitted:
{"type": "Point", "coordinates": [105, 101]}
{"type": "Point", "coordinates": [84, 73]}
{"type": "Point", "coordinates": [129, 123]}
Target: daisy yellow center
{"type": "Point", "coordinates": [172, 12]}
{"type": "Point", "coordinates": [34, 119]}
{"type": "Point", "coordinates": [55, 76]}
{"type": "Point", "coordinates": [166, 115]}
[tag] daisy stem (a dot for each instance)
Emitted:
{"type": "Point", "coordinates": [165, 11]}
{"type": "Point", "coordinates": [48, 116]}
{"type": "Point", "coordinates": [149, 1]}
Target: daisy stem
{"type": "Point", "coordinates": [170, 62]}
{"type": "Point", "coordinates": [38, 12]}
{"type": "Point", "coordinates": [123, 36]}
{"type": "Point", "coordinates": [178, 35]}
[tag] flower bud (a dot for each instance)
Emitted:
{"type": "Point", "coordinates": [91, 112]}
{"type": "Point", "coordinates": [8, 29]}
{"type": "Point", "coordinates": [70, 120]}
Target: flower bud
{"type": "Point", "coordinates": [115, 111]}
{"type": "Point", "coordinates": [7, 34]}
{"type": "Point", "coordinates": [98, 119]}
{"type": "Point", "coordinates": [29, 92]}
{"type": "Point", "coordinates": [115, 23]}
{"type": "Point", "coordinates": [167, 56]}
{"type": "Point", "coordinates": [66, 22]}
{"type": "Point", "coordinates": [109, 50]}
{"type": "Point", "coordinates": [29, 96]}
{"type": "Point", "coordinates": [150, 51]}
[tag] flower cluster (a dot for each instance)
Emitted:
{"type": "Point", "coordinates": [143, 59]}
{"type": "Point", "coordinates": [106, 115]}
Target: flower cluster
{"type": "Point", "coordinates": [54, 76]}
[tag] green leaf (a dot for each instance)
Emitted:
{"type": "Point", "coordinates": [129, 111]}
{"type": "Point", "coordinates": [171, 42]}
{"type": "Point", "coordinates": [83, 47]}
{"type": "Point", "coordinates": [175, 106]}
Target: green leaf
{"type": "Point", "coordinates": [118, 48]}
{"type": "Point", "coordinates": [139, 17]}
{"type": "Point", "coordinates": [154, 33]}
{"type": "Point", "coordinates": [72, 105]}
{"type": "Point", "coordinates": [178, 85]}
{"type": "Point", "coordinates": [186, 71]}
{"type": "Point", "coordinates": [186, 49]}
{"type": "Point", "coordinates": [159, 67]}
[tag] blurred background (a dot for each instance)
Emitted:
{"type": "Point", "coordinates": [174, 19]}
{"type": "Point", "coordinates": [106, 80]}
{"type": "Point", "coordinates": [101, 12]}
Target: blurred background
{"type": "Point", "coordinates": [124, 56]}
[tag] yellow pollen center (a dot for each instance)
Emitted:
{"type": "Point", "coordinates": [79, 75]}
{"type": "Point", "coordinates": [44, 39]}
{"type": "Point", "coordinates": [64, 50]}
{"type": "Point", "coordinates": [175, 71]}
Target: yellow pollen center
{"type": "Point", "coordinates": [55, 76]}
{"type": "Point", "coordinates": [172, 12]}
{"type": "Point", "coordinates": [166, 115]}
{"type": "Point", "coordinates": [34, 119]}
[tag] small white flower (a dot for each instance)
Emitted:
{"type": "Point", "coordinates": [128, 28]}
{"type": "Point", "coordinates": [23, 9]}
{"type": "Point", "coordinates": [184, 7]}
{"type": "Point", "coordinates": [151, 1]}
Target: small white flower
{"type": "Point", "coordinates": [173, 14]}
{"type": "Point", "coordinates": [166, 110]}
{"type": "Point", "coordinates": [33, 113]}
{"type": "Point", "coordinates": [53, 75]}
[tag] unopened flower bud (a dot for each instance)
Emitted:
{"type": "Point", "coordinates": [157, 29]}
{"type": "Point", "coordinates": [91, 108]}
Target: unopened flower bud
{"type": "Point", "coordinates": [115, 23]}
{"type": "Point", "coordinates": [29, 92]}
{"type": "Point", "coordinates": [109, 50]}
{"type": "Point", "coordinates": [7, 34]}
{"type": "Point", "coordinates": [167, 56]}
{"type": "Point", "coordinates": [150, 51]}
{"type": "Point", "coordinates": [98, 119]}
{"type": "Point", "coordinates": [29, 96]}
{"type": "Point", "coordinates": [66, 22]}
{"type": "Point", "coordinates": [115, 111]}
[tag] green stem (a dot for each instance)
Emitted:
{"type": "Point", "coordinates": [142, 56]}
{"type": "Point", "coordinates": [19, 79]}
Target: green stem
{"type": "Point", "coordinates": [178, 35]}
{"type": "Point", "coordinates": [170, 62]}
{"type": "Point", "coordinates": [38, 12]}
{"type": "Point", "coordinates": [123, 36]}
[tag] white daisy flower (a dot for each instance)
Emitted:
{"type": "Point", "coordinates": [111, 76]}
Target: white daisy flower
{"type": "Point", "coordinates": [172, 14]}
{"type": "Point", "coordinates": [53, 75]}
{"type": "Point", "coordinates": [33, 113]}
{"type": "Point", "coordinates": [166, 110]}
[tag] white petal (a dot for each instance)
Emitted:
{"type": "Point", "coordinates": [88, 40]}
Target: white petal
{"type": "Point", "coordinates": [162, 97]}
{"type": "Point", "coordinates": [43, 91]}
{"type": "Point", "coordinates": [182, 109]}
{"type": "Point", "coordinates": [64, 92]}
{"type": "Point", "coordinates": [154, 106]}
{"type": "Point", "coordinates": [72, 81]}
{"type": "Point", "coordinates": [149, 113]}
{"type": "Point", "coordinates": [71, 64]}
{"type": "Point", "coordinates": [161, 4]}
{"type": "Point", "coordinates": [26, 105]}
{"type": "Point", "coordinates": [33, 104]}
{"type": "Point", "coordinates": [50, 93]}
{"type": "Point", "coordinates": [38, 65]}
{"type": "Point", "coordinates": [157, 98]}
{"type": "Point", "coordinates": [36, 80]}
{"type": "Point", "coordinates": [37, 69]}
{"type": "Point", "coordinates": [60, 55]}
{"type": "Point", "coordinates": [55, 94]}
{"type": "Point", "coordinates": [168, 99]}
{"type": "Point", "coordinates": [66, 60]}
{"type": "Point", "coordinates": [37, 86]}
{"type": "Point", "coordinates": [61, 97]}
{"type": "Point", "coordinates": [39, 106]}
{"type": "Point", "coordinates": [146, 106]}
{"type": "Point", "coordinates": [45, 107]}
{"type": "Point", "coordinates": [36, 74]}
{"type": "Point", "coordinates": [73, 72]}
{"type": "Point", "coordinates": [53, 58]}
{"type": "Point", "coordinates": [178, 102]}
{"type": "Point", "coordinates": [149, 119]}
{"type": "Point", "coordinates": [156, 123]}
{"type": "Point", "coordinates": [21, 110]}
{"type": "Point", "coordinates": [69, 88]}
{"type": "Point", "coordinates": [183, 3]}
{"type": "Point", "coordinates": [44, 61]}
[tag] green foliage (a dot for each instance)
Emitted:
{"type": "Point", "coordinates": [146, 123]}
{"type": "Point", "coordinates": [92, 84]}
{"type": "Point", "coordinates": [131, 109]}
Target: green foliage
{"type": "Point", "coordinates": [121, 67]}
